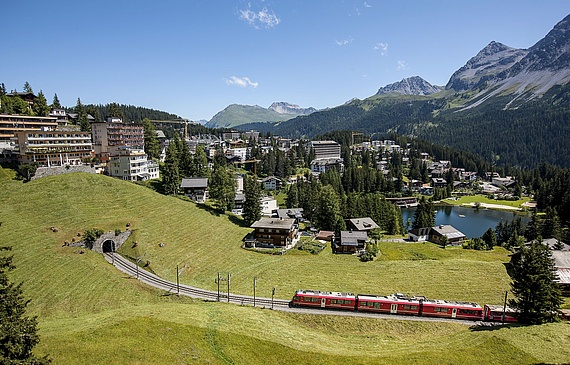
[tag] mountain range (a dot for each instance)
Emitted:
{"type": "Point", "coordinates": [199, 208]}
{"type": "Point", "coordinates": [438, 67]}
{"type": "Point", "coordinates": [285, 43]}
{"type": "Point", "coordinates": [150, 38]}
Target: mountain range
{"type": "Point", "coordinates": [504, 101]}
{"type": "Point", "coordinates": [236, 114]}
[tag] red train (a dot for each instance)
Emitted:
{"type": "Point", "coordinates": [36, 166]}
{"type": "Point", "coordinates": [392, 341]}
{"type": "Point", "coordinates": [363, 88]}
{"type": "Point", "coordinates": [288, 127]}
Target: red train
{"type": "Point", "coordinates": [401, 304]}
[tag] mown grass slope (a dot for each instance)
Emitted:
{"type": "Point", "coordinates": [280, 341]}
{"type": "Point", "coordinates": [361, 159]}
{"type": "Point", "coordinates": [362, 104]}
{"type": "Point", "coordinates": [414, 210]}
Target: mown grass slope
{"type": "Point", "coordinates": [91, 313]}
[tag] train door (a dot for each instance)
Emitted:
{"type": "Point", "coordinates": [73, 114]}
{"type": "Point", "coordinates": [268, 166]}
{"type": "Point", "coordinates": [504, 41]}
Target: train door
{"type": "Point", "coordinates": [323, 302]}
{"type": "Point", "coordinates": [393, 308]}
{"type": "Point", "coordinates": [454, 313]}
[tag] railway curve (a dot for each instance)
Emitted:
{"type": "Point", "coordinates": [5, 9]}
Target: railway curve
{"type": "Point", "coordinates": [153, 280]}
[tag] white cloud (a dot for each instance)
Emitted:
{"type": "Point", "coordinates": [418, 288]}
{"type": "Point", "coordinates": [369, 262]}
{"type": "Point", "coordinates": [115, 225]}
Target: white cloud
{"type": "Point", "coordinates": [366, 5]}
{"type": "Point", "coordinates": [343, 42]}
{"type": "Point", "coordinates": [263, 18]}
{"type": "Point", "coordinates": [241, 81]}
{"type": "Point", "coordinates": [382, 47]}
{"type": "Point", "coordinates": [402, 65]}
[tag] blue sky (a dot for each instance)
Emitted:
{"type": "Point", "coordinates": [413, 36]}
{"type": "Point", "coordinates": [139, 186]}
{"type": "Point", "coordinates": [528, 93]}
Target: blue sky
{"type": "Point", "coordinates": [195, 57]}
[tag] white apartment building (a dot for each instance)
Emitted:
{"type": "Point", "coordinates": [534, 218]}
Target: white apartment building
{"type": "Point", "coordinates": [132, 165]}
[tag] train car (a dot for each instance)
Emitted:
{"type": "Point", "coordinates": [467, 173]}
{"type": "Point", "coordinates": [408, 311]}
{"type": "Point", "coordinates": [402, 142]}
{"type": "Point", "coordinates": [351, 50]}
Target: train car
{"type": "Point", "coordinates": [330, 300]}
{"type": "Point", "coordinates": [494, 313]}
{"type": "Point", "coordinates": [395, 304]}
{"type": "Point", "coordinates": [446, 309]}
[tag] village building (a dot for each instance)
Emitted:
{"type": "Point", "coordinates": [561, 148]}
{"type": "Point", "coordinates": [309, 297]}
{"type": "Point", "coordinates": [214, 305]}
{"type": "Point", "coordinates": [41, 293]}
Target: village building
{"type": "Point", "coordinates": [272, 183]}
{"type": "Point", "coordinates": [196, 188]}
{"type": "Point", "coordinates": [435, 234]}
{"type": "Point", "coordinates": [275, 232]}
{"type": "Point", "coordinates": [50, 148]}
{"type": "Point", "coordinates": [239, 202]}
{"type": "Point", "coordinates": [294, 213]}
{"type": "Point", "coordinates": [350, 242]}
{"type": "Point", "coordinates": [268, 205]}
{"type": "Point", "coordinates": [361, 224]}
{"type": "Point", "coordinates": [133, 165]}
{"type": "Point", "coordinates": [10, 124]}
{"type": "Point", "coordinates": [112, 136]}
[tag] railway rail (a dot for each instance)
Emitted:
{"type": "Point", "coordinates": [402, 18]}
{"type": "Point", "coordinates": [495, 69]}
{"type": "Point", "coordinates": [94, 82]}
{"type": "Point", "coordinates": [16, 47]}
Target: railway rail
{"type": "Point", "coordinates": [153, 280]}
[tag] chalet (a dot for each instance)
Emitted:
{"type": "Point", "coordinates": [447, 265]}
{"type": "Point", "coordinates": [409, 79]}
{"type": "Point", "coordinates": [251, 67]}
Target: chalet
{"type": "Point", "coordinates": [361, 224]}
{"type": "Point", "coordinates": [275, 232]}
{"type": "Point", "coordinates": [196, 188]}
{"type": "Point", "coordinates": [454, 237]}
{"type": "Point", "coordinates": [419, 234]}
{"type": "Point", "coordinates": [435, 234]}
{"type": "Point", "coordinates": [350, 242]}
{"type": "Point", "coordinates": [239, 201]}
{"type": "Point", "coordinates": [325, 236]}
{"type": "Point", "coordinates": [438, 182]}
{"type": "Point", "coordinates": [272, 183]}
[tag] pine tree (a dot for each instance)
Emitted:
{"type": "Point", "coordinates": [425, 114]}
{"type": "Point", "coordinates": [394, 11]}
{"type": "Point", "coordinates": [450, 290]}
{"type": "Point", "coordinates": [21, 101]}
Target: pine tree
{"type": "Point", "coordinates": [252, 204]}
{"type": "Point", "coordinates": [41, 107]}
{"type": "Point", "coordinates": [28, 88]}
{"type": "Point", "coordinates": [222, 188]}
{"type": "Point", "coordinates": [55, 103]}
{"type": "Point", "coordinates": [18, 333]}
{"type": "Point", "coordinates": [201, 168]}
{"type": "Point", "coordinates": [151, 144]}
{"type": "Point", "coordinates": [424, 215]}
{"type": "Point", "coordinates": [490, 238]}
{"type": "Point", "coordinates": [169, 170]}
{"type": "Point", "coordinates": [328, 214]}
{"type": "Point", "coordinates": [116, 111]}
{"type": "Point", "coordinates": [292, 200]}
{"type": "Point", "coordinates": [82, 119]}
{"type": "Point", "coordinates": [537, 295]}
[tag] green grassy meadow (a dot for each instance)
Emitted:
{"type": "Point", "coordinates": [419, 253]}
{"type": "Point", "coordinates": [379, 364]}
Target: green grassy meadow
{"type": "Point", "coordinates": [90, 313]}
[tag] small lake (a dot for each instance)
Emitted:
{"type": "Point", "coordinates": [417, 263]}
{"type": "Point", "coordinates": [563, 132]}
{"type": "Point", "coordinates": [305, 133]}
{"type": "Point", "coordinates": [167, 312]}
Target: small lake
{"type": "Point", "coordinates": [470, 221]}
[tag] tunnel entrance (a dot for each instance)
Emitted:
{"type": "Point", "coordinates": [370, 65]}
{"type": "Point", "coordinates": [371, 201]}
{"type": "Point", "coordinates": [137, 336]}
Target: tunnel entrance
{"type": "Point", "coordinates": [109, 246]}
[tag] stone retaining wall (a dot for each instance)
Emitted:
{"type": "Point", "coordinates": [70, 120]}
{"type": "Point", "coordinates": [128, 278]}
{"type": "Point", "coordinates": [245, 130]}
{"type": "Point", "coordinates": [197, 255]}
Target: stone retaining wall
{"type": "Point", "coordinates": [59, 170]}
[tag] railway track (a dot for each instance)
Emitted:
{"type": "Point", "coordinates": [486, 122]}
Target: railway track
{"type": "Point", "coordinates": [148, 278]}
{"type": "Point", "coordinates": [153, 280]}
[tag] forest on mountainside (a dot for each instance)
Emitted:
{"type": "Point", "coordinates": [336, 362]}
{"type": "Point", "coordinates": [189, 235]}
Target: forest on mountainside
{"type": "Point", "coordinates": [527, 136]}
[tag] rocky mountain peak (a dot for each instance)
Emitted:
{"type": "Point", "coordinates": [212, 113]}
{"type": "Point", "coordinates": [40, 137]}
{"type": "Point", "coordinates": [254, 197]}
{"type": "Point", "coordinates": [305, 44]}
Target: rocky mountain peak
{"type": "Point", "coordinates": [414, 85]}
{"type": "Point", "coordinates": [282, 107]}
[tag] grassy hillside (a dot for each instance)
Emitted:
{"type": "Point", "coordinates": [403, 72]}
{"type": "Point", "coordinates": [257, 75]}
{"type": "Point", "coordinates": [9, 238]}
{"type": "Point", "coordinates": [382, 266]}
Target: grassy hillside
{"type": "Point", "coordinates": [87, 307]}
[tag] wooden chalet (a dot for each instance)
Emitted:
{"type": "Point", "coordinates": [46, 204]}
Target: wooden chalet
{"type": "Point", "coordinates": [275, 232]}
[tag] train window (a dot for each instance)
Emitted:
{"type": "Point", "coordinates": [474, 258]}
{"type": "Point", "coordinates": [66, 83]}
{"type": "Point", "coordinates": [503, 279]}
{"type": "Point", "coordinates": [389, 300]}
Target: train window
{"type": "Point", "coordinates": [467, 311]}
{"type": "Point", "coordinates": [440, 309]}
{"type": "Point", "coordinates": [377, 305]}
{"type": "Point", "coordinates": [347, 301]}
{"type": "Point", "coordinates": [363, 304]}
{"type": "Point", "coordinates": [410, 307]}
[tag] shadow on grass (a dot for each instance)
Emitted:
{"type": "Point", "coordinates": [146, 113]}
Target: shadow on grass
{"type": "Point", "coordinates": [238, 221]}
{"type": "Point", "coordinates": [209, 209]}
{"type": "Point", "coordinates": [493, 326]}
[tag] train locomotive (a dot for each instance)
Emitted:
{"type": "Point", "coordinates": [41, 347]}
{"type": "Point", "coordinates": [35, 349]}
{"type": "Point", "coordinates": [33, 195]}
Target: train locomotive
{"type": "Point", "coordinates": [402, 304]}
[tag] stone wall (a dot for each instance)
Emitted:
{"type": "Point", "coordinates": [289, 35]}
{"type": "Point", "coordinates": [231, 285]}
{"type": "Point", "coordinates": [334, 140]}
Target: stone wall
{"type": "Point", "coordinates": [59, 170]}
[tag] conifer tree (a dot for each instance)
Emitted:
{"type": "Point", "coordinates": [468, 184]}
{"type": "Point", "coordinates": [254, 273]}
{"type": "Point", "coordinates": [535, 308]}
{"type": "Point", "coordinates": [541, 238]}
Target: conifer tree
{"type": "Point", "coordinates": [151, 144]}
{"type": "Point", "coordinates": [41, 107]}
{"type": "Point", "coordinates": [222, 188]}
{"type": "Point", "coordinates": [18, 332]}
{"type": "Point", "coordinates": [169, 170]}
{"type": "Point", "coordinates": [537, 295]}
{"type": "Point", "coordinates": [252, 204]}
{"type": "Point", "coordinates": [424, 216]}
{"type": "Point", "coordinates": [28, 88]}
{"type": "Point", "coordinates": [55, 103]}
{"type": "Point", "coordinates": [201, 168]}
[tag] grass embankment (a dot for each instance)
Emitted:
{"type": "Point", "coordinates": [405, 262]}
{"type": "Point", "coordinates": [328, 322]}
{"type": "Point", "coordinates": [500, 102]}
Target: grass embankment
{"type": "Point", "coordinates": [87, 307]}
{"type": "Point", "coordinates": [473, 199]}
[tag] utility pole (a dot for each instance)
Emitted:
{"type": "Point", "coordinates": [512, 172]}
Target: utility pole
{"type": "Point", "coordinates": [254, 285]}
{"type": "Point", "coordinates": [137, 262]}
{"type": "Point", "coordinates": [218, 281]}
{"type": "Point", "coordinates": [272, 295]}
{"type": "Point", "coordinates": [229, 278]}
{"type": "Point", "coordinates": [504, 308]}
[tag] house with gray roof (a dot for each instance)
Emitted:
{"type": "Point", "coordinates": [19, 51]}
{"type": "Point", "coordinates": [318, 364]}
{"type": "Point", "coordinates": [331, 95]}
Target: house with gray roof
{"type": "Point", "coordinates": [196, 188]}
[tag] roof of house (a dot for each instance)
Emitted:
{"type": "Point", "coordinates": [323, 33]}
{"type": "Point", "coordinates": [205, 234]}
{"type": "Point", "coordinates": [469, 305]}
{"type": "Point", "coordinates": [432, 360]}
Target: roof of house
{"type": "Point", "coordinates": [420, 231]}
{"type": "Point", "coordinates": [448, 231]}
{"type": "Point", "coordinates": [290, 213]}
{"type": "Point", "coordinates": [563, 276]}
{"type": "Point", "coordinates": [194, 182]}
{"type": "Point", "coordinates": [553, 242]}
{"type": "Point", "coordinates": [561, 259]}
{"type": "Point", "coordinates": [363, 224]}
{"type": "Point", "coordinates": [351, 238]}
{"type": "Point", "coordinates": [274, 223]}
{"type": "Point", "coordinates": [268, 178]}
{"type": "Point", "coordinates": [240, 198]}
{"type": "Point", "coordinates": [325, 235]}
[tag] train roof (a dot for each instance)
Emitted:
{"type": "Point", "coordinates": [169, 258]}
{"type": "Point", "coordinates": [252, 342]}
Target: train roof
{"type": "Point", "coordinates": [451, 303]}
{"type": "Point", "coordinates": [400, 298]}
{"type": "Point", "coordinates": [499, 308]}
{"type": "Point", "coordinates": [325, 293]}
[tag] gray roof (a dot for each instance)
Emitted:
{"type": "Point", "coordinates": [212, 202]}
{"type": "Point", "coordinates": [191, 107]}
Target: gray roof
{"type": "Point", "coordinates": [448, 231]}
{"type": "Point", "coordinates": [561, 259]}
{"type": "Point", "coordinates": [363, 224]}
{"type": "Point", "coordinates": [290, 213]}
{"type": "Point", "coordinates": [274, 223]}
{"type": "Point", "coordinates": [194, 182]}
{"type": "Point", "coordinates": [271, 178]}
{"type": "Point", "coordinates": [351, 238]}
{"type": "Point", "coordinates": [563, 276]}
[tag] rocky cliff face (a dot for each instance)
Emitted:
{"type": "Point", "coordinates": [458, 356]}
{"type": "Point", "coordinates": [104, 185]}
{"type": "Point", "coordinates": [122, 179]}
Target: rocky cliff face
{"type": "Point", "coordinates": [282, 107]}
{"type": "Point", "coordinates": [411, 86]}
